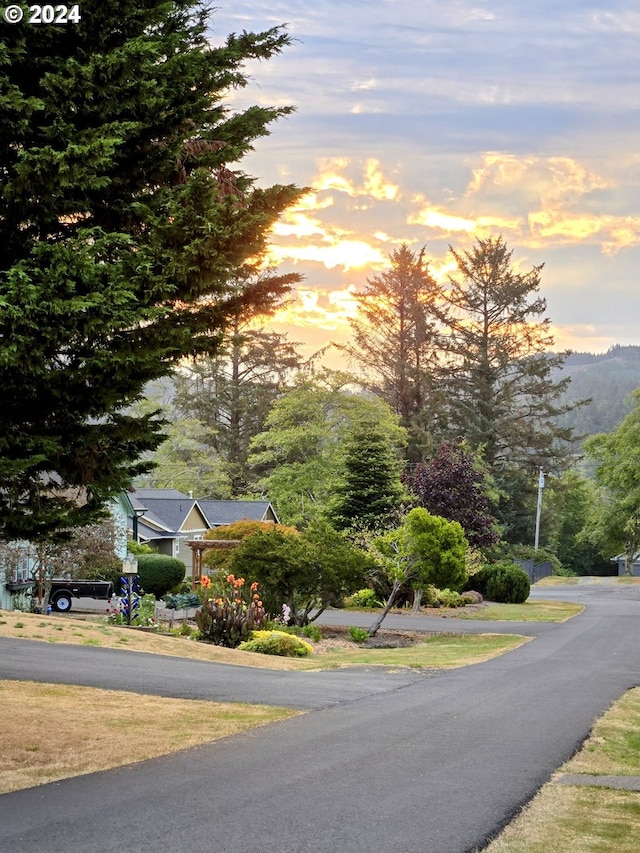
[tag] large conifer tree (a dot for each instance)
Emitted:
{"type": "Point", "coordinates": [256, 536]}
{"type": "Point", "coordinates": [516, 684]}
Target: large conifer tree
{"type": "Point", "coordinates": [395, 341]}
{"type": "Point", "coordinates": [122, 219]}
{"type": "Point", "coordinates": [502, 395]}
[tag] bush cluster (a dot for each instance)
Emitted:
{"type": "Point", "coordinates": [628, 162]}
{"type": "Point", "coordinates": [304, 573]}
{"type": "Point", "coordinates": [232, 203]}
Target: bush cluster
{"type": "Point", "coordinates": [364, 598]}
{"type": "Point", "coordinates": [276, 643]}
{"type": "Point", "coordinates": [503, 582]}
{"type": "Point", "coordinates": [358, 635]}
{"type": "Point", "coordinates": [449, 598]}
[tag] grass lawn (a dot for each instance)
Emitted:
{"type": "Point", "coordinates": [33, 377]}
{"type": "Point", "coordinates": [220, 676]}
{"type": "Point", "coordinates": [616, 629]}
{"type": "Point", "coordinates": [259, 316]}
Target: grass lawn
{"type": "Point", "coordinates": [586, 819]}
{"type": "Point", "coordinates": [530, 611]}
{"type": "Point", "coordinates": [436, 652]}
{"type": "Point", "coordinates": [89, 725]}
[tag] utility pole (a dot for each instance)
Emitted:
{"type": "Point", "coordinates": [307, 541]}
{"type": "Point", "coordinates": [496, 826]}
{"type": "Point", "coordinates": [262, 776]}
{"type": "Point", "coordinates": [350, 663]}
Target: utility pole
{"type": "Point", "coordinates": [539, 510]}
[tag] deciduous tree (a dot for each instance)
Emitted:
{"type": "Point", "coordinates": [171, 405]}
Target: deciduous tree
{"type": "Point", "coordinates": [617, 457]}
{"type": "Point", "coordinates": [454, 486]}
{"type": "Point", "coordinates": [300, 454]}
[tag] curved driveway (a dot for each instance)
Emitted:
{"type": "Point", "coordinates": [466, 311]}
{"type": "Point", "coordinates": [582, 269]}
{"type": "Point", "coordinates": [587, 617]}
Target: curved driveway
{"type": "Point", "coordinates": [403, 762]}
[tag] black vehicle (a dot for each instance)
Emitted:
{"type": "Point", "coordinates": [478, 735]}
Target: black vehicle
{"type": "Point", "coordinates": [63, 590]}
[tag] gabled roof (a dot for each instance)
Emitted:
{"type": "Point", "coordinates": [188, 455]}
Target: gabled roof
{"type": "Point", "coordinates": [226, 512]}
{"type": "Point", "coordinates": [166, 509]}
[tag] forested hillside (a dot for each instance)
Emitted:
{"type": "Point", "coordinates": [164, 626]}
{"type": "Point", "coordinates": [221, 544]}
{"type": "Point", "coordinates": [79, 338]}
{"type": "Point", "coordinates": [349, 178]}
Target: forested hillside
{"type": "Point", "coordinates": [608, 379]}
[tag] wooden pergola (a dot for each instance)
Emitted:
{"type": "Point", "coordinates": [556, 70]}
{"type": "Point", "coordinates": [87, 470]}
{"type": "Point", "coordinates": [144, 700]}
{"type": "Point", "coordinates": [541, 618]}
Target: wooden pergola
{"type": "Point", "coordinates": [198, 547]}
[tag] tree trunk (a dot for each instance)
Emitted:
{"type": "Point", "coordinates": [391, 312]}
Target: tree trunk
{"type": "Point", "coordinates": [395, 589]}
{"type": "Point", "coordinates": [417, 598]}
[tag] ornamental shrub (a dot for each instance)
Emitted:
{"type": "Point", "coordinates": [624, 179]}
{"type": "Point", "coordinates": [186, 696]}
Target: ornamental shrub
{"type": "Point", "coordinates": [276, 643]}
{"type": "Point", "coordinates": [449, 598]}
{"type": "Point", "coordinates": [503, 582]}
{"type": "Point", "coordinates": [181, 600]}
{"type": "Point", "coordinates": [358, 635]}
{"type": "Point", "coordinates": [159, 573]}
{"type": "Point", "coordinates": [364, 598]}
{"type": "Point", "coordinates": [229, 618]}
{"type": "Point", "coordinates": [218, 560]}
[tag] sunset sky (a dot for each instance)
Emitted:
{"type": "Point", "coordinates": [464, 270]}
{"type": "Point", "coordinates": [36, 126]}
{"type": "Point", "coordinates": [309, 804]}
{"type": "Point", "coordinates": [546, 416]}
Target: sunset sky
{"type": "Point", "coordinates": [433, 123]}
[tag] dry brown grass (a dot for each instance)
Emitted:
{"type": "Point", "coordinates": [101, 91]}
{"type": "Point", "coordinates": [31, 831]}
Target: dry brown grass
{"type": "Point", "coordinates": [85, 729]}
{"type": "Point", "coordinates": [90, 631]}
{"type": "Point", "coordinates": [572, 819]}
{"type": "Point", "coordinates": [465, 650]}
{"type": "Point", "coordinates": [576, 819]}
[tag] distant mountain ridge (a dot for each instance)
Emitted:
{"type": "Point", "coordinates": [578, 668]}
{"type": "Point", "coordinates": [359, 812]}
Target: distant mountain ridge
{"type": "Point", "coordinates": [608, 379]}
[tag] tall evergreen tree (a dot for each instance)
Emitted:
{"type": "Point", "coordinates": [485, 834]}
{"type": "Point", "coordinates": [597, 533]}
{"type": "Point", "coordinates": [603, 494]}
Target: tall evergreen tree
{"type": "Point", "coordinates": [121, 225]}
{"type": "Point", "coordinates": [395, 341]}
{"type": "Point", "coordinates": [232, 391]}
{"type": "Point", "coordinates": [502, 396]}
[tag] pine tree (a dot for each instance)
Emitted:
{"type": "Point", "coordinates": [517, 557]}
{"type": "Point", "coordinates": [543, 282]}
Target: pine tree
{"type": "Point", "coordinates": [395, 341]}
{"type": "Point", "coordinates": [121, 225]}
{"type": "Point", "coordinates": [502, 396]}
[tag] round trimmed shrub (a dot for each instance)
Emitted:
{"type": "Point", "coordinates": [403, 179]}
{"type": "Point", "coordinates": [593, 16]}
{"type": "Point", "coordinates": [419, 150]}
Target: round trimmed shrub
{"type": "Point", "coordinates": [504, 582]}
{"type": "Point", "coordinates": [276, 643]}
{"type": "Point", "coordinates": [159, 573]}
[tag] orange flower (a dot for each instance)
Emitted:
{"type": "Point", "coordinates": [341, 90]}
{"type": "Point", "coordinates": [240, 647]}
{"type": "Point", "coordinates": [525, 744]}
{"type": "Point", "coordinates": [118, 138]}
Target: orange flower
{"type": "Point", "coordinates": [218, 601]}
{"type": "Point", "coordinates": [205, 581]}
{"type": "Point", "coordinates": [256, 597]}
{"type": "Point", "coordinates": [254, 586]}
{"type": "Point", "coordinates": [230, 578]}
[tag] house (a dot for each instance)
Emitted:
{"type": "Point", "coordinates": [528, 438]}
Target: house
{"type": "Point", "coordinates": [17, 562]}
{"type": "Point", "coordinates": [166, 519]}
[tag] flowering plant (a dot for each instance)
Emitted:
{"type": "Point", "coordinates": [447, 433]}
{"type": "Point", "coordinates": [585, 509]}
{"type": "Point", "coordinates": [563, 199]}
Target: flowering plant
{"type": "Point", "coordinates": [229, 615]}
{"type": "Point", "coordinates": [114, 615]}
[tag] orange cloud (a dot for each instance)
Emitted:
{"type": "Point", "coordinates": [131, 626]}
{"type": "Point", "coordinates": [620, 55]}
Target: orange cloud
{"type": "Point", "coordinates": [439, 220]}
{"type": "Point", "coordinates": [320, 309]}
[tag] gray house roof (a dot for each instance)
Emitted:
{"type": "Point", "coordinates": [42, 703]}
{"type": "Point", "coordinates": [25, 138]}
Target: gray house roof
{"type": "Point", "coordinates": [167, 510]}
{"type": "Point", "coordinates": [226, 512]}
{"type": "Point", "coordinates": [168, 513]}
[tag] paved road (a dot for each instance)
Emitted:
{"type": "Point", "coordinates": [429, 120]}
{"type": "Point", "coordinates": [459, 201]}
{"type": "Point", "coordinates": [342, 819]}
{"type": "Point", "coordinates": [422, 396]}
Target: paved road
{"type": "Point", "coordinates": [400, 762]}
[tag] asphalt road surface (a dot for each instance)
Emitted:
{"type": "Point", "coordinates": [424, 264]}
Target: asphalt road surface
{"type": "Point", "coordinates": [403, 762]}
